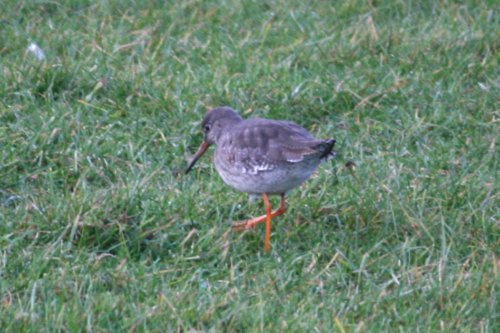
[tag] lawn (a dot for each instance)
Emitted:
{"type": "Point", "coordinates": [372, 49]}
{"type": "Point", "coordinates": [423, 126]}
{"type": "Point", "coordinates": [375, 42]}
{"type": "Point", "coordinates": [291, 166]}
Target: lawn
{"type": "Point", "coordinates": [101, 231]}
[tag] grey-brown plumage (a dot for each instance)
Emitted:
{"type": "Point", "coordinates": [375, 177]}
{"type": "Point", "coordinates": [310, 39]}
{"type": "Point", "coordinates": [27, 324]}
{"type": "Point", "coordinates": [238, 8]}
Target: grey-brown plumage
{"type": "Point", "coordinates": [261, 156]}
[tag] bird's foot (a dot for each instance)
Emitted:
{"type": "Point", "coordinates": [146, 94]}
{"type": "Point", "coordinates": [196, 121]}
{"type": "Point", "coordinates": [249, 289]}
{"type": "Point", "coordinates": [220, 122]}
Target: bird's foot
{"type": "Point", "coordinates": [248, 224]}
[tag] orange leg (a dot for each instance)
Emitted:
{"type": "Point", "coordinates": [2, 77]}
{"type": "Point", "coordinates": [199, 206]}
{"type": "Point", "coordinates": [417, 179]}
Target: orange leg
{"type": "Point", "coordinates": [267, 234]}
{"type": "Point", "coordinates": [250, 224]}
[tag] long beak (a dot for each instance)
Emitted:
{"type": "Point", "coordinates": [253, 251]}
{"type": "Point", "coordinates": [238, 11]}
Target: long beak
{"type": "Point", "coordinates": [203, 148]}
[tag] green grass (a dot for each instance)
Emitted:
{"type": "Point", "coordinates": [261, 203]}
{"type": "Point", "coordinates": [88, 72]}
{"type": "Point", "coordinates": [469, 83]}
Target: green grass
{"type": "Point", "coordinates": [100, 230]}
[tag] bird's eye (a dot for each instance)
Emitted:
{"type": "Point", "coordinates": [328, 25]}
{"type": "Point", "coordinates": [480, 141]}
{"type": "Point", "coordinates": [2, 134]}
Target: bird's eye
{"type": "Point", "coordinates": [206, 128]}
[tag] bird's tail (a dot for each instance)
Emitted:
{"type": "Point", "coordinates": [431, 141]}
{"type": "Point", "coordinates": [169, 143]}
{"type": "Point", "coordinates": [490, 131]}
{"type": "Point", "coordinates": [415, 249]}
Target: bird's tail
{"type": "Point", "coordinates": [326, 149]}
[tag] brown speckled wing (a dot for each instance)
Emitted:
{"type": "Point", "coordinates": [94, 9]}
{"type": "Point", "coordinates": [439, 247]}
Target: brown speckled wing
{"type": "Point", "coordinates": [262, 145]}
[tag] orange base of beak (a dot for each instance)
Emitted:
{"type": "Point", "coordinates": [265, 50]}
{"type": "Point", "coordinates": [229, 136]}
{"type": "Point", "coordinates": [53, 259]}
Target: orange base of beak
{"type": "Point", "coordinates": [203, 148]}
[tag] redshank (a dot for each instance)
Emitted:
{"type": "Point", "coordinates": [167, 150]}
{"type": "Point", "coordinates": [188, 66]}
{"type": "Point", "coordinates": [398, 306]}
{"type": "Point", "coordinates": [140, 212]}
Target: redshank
{"type": "Point", "coordinates": [261, 157]}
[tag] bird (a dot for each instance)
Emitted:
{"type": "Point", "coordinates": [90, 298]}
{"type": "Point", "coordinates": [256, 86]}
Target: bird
{"type": "Point", "coordinates": [261, 157]}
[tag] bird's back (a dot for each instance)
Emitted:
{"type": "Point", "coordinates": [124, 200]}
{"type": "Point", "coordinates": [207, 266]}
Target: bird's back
{"type": "Point", "coordinates": [263, 155]}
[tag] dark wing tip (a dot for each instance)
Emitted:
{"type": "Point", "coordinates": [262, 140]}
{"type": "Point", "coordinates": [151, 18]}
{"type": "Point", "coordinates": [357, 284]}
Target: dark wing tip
{"type": "Point", "coordinates": [326, 149]}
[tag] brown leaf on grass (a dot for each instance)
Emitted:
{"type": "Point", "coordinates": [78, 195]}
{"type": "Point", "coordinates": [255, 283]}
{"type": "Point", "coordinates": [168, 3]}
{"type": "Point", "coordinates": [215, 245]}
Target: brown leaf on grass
{"type": "Point", "coordinates": [373, 29]}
